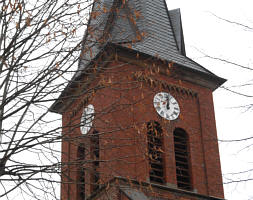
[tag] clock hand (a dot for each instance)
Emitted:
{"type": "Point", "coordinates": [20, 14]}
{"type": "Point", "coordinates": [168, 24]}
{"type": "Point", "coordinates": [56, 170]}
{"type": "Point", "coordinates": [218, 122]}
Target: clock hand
{"type": "Point", "coordinates": [168, 103]}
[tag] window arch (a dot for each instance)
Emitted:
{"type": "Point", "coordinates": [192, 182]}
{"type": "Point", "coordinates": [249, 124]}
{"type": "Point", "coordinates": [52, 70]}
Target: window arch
{"type": "Point", "coordinates": [155, 152]}
{"type": "Point", "coordinates": [181, 148]}
{"type": "Point", "coordinates": [80, 172]}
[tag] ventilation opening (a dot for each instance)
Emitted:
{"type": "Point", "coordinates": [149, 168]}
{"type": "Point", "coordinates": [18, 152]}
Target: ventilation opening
{"type": "Point", "coordinates": [155, 152]}
{"type": "Point", "coordinates": [95, 156]}
{"type": "Point", "coordinates": [81, 172]}
{"type": "Point", "coordinates": [182, 159]}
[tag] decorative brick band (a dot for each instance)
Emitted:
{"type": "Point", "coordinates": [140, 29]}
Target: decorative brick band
{"type": "Point", "coordinates": [171, 87]}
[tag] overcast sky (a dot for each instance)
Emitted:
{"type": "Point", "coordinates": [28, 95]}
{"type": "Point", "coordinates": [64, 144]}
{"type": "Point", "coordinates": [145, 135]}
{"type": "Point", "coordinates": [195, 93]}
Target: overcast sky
{"type": "Point", "coordinates": [206, 33]}
{"type": "Point", "coordinates": [203, 32]}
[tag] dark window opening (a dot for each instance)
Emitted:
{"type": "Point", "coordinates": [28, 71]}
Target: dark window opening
{"type": "Point", "coordinates": [81, 172]}
{"type": "Point", "coordinates": [182, 159]}
{"type": "Point", "coordinates": [95, 156]}
{"type": "Point", "coordinates": [155, 152]}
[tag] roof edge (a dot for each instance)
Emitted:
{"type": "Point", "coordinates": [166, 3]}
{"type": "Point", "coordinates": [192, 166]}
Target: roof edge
{"type": "Point", "coordinates": [177, 28]}
{"type": "Point", "coordinates": [56, 106]}
{"type": "Point", "coordinates": [117, 180]}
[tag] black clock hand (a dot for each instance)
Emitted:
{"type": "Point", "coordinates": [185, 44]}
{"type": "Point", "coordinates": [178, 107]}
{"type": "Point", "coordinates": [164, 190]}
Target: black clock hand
{"type": "Point", "coordinates": [168, 103]}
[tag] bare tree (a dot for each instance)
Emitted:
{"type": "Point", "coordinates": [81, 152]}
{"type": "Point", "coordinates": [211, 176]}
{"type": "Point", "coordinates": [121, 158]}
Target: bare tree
{"type": "Point", "coordinates": [239, 179]}
{"type": "Point", "coordinates": [39, 44]}
{"type": "Point", "coordinates": [40, 48]}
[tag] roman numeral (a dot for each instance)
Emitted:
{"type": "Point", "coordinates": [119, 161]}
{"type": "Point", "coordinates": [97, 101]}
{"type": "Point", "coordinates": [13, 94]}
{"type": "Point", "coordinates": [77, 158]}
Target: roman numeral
{"type": "Point", "coordinates": [175, 113]}
{"type": "Point", "coordinates": [157, 99]}
{"type": "Point", "coordinates": [172, 116]}
{"type": "Point", "coordinates": [162, 113]}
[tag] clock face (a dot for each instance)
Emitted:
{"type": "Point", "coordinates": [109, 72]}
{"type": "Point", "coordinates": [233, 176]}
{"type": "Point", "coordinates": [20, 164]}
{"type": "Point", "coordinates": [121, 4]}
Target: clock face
{"type": "Point", "coordinates": [87, 118]}
{"type": "Point", "coordinates": [166, 106]}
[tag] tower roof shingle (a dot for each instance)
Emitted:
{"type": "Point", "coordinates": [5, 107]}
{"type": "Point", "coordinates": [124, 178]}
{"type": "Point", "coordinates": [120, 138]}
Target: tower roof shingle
{"type": "Point", "coordinates": [159, 31]}
{"type": "Point", "coordinates": [144, 26]}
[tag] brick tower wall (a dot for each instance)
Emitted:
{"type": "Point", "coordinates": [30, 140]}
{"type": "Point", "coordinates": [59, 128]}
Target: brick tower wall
{"type": "Point", "coordinates": [123, 106]}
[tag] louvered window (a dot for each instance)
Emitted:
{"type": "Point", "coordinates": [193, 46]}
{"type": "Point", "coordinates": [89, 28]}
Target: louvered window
{"type": "Point", "coordinates": [182, 159]}
{"type": "Point", "coordinates": [155, 152]}
{"type": "Point", "coordinates": [81, 172]}
{"type": "Point", "coordinates": [95, 157]}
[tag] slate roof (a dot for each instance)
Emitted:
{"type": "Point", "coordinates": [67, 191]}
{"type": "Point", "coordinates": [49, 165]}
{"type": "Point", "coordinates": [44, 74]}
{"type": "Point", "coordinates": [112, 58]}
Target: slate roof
{"type": "Point", "coordinates": [162, 29]}
{"type": "Point", "coordinates": [133, 194]}
{"type": "Point", "coordinates": [145, 25]}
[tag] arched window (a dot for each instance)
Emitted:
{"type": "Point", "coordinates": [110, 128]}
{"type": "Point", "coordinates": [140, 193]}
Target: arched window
{"type": "Point", "coordinates": [80, 172]}
{"type": "Point", "coordinates": [155, 152]}
{"type": "Point", "coordinates": [95, 156]}
{"type": "Point", "coordinates": [181, 147]}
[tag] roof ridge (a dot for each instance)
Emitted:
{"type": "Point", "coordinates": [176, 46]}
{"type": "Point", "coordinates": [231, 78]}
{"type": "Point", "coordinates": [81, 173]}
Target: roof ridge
{"type": "Point", "coordinates": [177, 28]}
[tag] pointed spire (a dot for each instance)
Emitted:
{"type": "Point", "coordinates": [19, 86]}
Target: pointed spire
{"type": "Point", "coordinates": [146, 24]}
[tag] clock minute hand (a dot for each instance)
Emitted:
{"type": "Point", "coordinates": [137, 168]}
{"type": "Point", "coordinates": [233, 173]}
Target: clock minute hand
{"type": "Point", "coordinates": [168, 103]}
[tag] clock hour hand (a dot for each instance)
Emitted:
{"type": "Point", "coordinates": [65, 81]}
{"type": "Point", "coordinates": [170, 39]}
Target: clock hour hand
{"type": "Point", "coordinates": [168, 103]}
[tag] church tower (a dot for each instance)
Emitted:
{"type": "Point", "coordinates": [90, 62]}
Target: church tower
{"type": "Point", "coordinates": [138, 117]}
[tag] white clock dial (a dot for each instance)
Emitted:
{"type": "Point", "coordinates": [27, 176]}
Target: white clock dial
{"type": "Point", "coordinates": [87, 118]}
{"type": "Point", "coordinates": [166, 106]}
